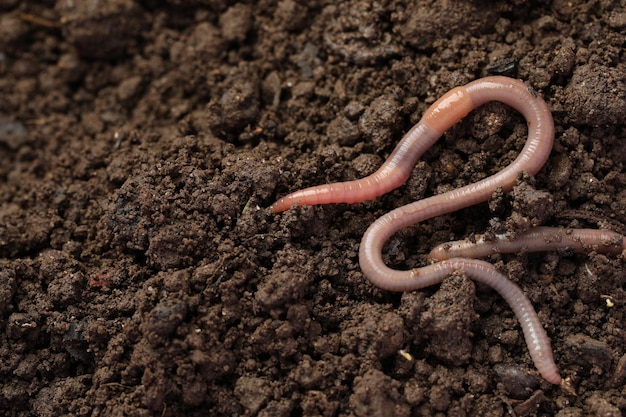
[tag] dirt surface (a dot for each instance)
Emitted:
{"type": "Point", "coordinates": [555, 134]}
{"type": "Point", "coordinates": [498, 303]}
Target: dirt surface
{"type": "Point", "coordinates": [141, 273]}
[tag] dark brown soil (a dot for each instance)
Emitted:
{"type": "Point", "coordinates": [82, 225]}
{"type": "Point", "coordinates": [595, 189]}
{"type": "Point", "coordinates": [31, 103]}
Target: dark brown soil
{"type": "Point", "coordinates": [142, 141]}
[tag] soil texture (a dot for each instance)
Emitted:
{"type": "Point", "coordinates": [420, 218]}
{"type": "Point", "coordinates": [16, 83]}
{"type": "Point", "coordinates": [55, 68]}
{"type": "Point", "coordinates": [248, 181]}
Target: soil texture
{"type": "Point", "coordinates": [142, 141]}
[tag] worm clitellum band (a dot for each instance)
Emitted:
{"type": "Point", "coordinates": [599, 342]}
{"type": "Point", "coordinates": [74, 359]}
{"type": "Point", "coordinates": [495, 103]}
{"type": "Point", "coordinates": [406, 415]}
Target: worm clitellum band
{"type": "Point", "coordinates": [444, 113]}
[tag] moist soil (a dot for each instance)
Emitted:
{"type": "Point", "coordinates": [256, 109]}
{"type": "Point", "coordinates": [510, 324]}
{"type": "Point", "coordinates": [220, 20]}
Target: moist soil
{"type": "Point", "coordinates": [141, 273]}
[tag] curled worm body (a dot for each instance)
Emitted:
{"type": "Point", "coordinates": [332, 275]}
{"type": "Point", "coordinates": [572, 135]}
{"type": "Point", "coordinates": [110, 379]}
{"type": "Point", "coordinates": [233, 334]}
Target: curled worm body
{"type": "Point", "coordinates": [536, 337]}
{"type": "Point", "coordinates": [444, 113]}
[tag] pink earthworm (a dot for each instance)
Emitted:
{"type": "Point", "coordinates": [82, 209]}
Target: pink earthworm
{"type": "Point", "coordinates": [444, 113]}
{"type": "Point", "coordinates": [536, 337]}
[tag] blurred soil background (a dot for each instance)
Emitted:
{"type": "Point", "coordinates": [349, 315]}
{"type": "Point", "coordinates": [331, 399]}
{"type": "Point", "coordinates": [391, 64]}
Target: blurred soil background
{"type": "Point", "coordinates": [141, 143]}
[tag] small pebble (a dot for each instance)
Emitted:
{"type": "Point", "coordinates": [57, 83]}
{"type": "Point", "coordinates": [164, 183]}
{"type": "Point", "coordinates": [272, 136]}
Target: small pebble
{"type": "Point", "coordinates": [518, 382]}
{"type": "Point", "coordinates": [12, 134]}
{"type": "Point", "coordinates": [589, 352]}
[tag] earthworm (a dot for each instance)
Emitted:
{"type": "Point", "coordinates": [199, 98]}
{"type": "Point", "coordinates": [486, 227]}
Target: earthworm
{"type": "Point", "coordinates": [536, 337]}
{"type": "Point", "coordinates": [535, 240]}
{"type": "Point", "coordinates": [444, 113]}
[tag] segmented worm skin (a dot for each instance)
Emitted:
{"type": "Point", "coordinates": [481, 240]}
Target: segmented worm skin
{"type": "Point", "coordinates": [444, 113]}
{"type": "Point", "coordinates": [535, 240]}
